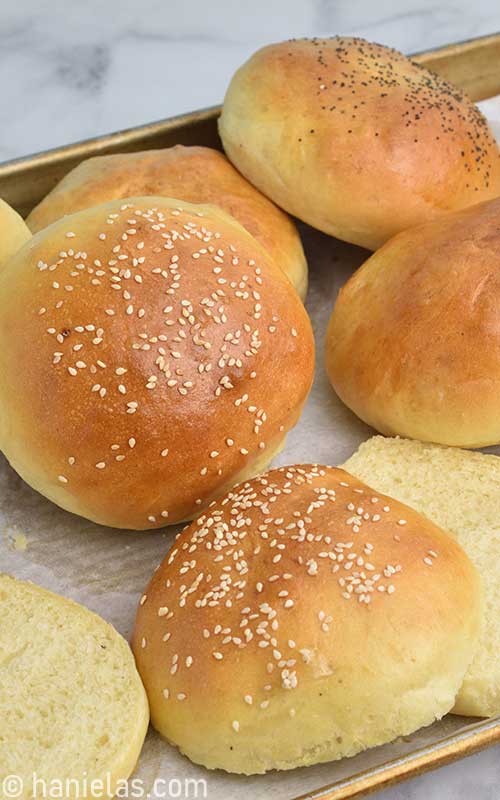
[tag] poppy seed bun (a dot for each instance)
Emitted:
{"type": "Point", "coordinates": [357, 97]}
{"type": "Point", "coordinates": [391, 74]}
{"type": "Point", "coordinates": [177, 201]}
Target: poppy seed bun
{"type": "Point", "coordinates": [192, 174]}
{"type": "Point", "coordinates": [13, 231]}
{"type": "Point", "coordinates": [151, 354]}
{"type": "Point", "coordinates": [459, 491]}
{"type": "Point", "coordinates": [301, 619]}
{"type": "Point", "coordinates": [355, 139]}
{"type": "Point", "coordinates": [412, 346]}
{"type": "Point", "coordinates": [73, 709]}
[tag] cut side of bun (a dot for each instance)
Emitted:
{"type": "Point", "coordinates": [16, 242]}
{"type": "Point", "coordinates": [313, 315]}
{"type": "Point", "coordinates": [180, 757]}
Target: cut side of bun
{"type": "Point", "coordinates": [72, 704]}
{"type": "Point", "coordinates": [460, 492]}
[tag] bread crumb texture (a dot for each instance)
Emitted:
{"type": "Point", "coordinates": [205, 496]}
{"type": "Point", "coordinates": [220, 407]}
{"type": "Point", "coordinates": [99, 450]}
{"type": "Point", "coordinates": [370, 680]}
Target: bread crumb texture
{"type": "Point", "coordinates": [460, 492]}
{"type": "Point", "coordinates": [71, 702]}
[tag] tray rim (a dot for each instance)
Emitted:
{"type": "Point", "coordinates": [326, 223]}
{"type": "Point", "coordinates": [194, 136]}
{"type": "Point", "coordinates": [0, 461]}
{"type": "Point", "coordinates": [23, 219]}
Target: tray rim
{"type": "Point", "coordinates": [465, 742]}
{"type": "Point", "coordinates": [472, 737]}
{"type": "Point", "coordinates": [93, 145]}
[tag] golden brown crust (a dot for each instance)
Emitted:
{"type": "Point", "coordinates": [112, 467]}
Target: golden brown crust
{"type": "Point", "coordinates": [191, 174]}
{"type": "Point", "coordinates": [356, 139]}
{"type": "Point", "coordinates": [412, 344]}
{"type": "Point", "coordinates": [304, 618]}
{"type": "Point", "coordinates": [149, 357]}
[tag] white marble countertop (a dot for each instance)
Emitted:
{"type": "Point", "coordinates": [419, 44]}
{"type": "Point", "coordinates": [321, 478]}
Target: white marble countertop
{"type": "Point", "coordinates": [70, 70]}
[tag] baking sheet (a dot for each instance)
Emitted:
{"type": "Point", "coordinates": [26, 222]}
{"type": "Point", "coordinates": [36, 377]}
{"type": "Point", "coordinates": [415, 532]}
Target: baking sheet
{"type": "Point", "coordinates": [107, 570]}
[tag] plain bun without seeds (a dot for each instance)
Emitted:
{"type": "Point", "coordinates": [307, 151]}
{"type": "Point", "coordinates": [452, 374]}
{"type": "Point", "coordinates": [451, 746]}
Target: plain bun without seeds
{"type": "Point", "coordinates": [13, 232]}
{"type": "Point", "coordinates": [412, 346]}
{"type": "Point", "coordinates": [356, 139]}
{"type": "Point", "coordinates": [303, 618]}
{"type": "Point", "coordinates": [151, 355]}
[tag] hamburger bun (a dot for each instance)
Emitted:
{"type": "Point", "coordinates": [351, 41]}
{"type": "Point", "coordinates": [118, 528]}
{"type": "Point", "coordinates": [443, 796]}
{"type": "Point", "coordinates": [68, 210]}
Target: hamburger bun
{"type": "Point", "coordinates": [192, 174]}
{"type": "Point", "coordinates": [301, 619]}
{"type": "Point", "coordinates": [356, 139]}
{"type": "Point", "coordinates": [151, 355]}
{"type": "Point", "coordinates": [413, 344]}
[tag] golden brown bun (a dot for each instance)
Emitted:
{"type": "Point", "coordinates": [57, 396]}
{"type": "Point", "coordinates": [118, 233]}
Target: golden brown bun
{"type": "Point", "coordinates": [413, 342]}
{"type": "Point", "coordinates": [151, 354]}
{"type": "Point", "coordinates": [13, 231]}
{"type": "Point", "coordinates": [192, 174]}
{"type": "Point", "coordinates": [356, 139]}
{"type": "Point", "coordinates": [301, 619]}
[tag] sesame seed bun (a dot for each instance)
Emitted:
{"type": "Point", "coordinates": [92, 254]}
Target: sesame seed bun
{"type": "Point", "coordinates": [151, 354]}
{"type": "Point", "coordinates": [13, 231]}
{"type": "Point", "coordinates": [356, 139]}
{"type": "Point", "coordinates": [412, 343]}
{"type": "Point", "coordinates": [193, 174]}
{"type": "Point", "coordinates": [302, 619]}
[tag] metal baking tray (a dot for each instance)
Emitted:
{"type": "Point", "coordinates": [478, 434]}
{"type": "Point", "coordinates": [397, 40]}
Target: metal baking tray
{"type": "Point", "coordinates": [475, 66]}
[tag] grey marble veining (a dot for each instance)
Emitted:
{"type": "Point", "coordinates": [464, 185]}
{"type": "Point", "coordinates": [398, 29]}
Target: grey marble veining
{"type": "Point", "coordinates": [72, 70]}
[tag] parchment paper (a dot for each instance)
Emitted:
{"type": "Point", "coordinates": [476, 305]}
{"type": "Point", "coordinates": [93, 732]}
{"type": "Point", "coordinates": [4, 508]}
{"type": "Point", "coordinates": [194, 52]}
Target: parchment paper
{"type": "Point", "coordinates": [107, 570]}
